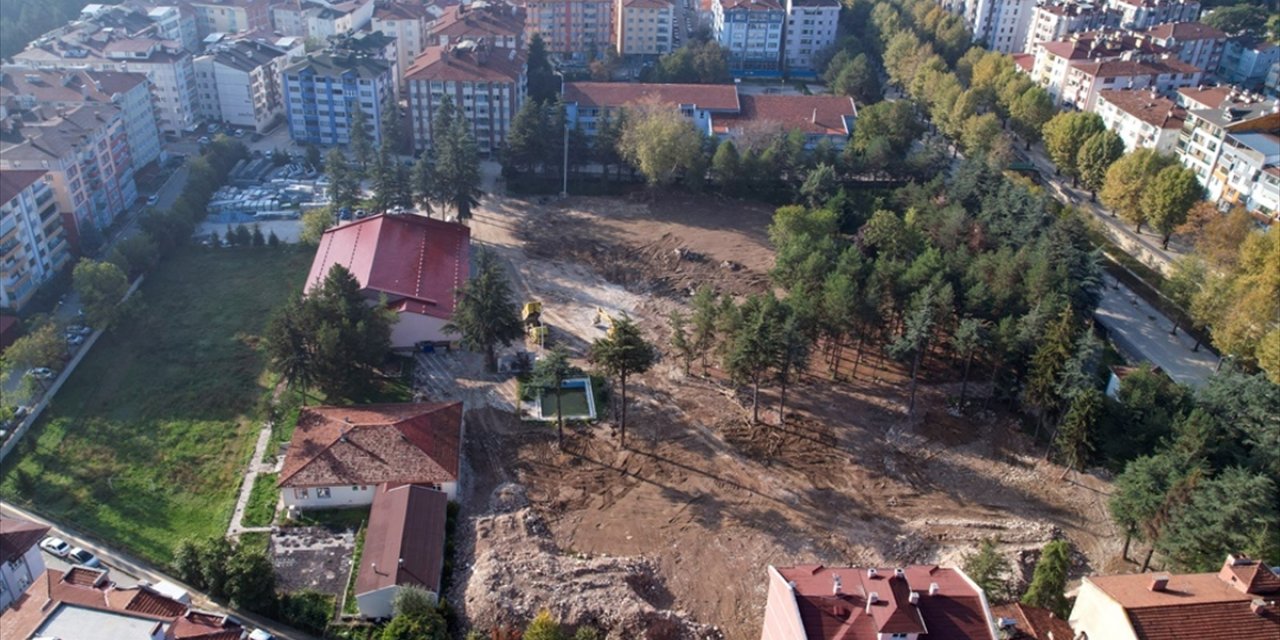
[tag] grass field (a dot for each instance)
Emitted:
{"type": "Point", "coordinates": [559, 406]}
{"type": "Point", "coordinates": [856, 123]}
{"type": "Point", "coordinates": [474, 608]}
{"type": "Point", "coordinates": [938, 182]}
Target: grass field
{"type": "Point", "coordinates": [146, 442]}
{"type": "Point", "coordinates": [262, 501]}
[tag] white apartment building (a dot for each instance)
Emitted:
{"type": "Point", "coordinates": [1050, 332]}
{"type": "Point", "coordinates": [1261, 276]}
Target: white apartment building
{"type": "Point", "coordinates": [239, 83]}
{"type": "Point", "coordinates": [752, 31]}
{"type": "Point", "coordinates": [488, 86]}
{"type": "Point", "coordinates": [1195, 43]}
{"type": "Point", "coordinates": [1001, 25]}
{"type": "Point", "coordinates": [810, 28]}
{"type": "Point", "coordinates": [643, 27]}
{"type": "Point", "coordinates": [1057, 20]}
{"type": "Point", "coordinates": [1142, 118]}
{"type": "Point", "coordinates": [1229, 145]}
{"type": "Point", "coordinates": [21, 563]}
{"type": "Point", "coordinates": [1143, 14]}
{"type": "Point", "coordinates": [318, 20]}
{"type": "Point", "coordinates": [407, 23]}
{"type": "Point", "coordinates": [231, 16]}
{"type": "Point", "coordinates": [33, 248]}
{"type": "Point", "coordinates": [577, 30]}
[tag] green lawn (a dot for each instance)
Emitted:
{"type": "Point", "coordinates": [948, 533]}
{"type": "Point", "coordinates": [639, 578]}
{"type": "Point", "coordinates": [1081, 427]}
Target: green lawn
{"type": "Point", "coordinates": [261, 509]}
{"type": "Point", "coordinates": [146, 443]}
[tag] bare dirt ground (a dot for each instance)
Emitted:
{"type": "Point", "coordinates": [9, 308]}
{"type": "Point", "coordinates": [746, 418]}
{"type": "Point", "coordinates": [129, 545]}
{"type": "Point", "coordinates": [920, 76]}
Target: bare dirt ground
{"type": "Point", "coordinates": [702, 495]}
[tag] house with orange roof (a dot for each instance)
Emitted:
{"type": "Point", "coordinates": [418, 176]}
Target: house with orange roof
{"type": "Point", "coordinates": [403, 546]}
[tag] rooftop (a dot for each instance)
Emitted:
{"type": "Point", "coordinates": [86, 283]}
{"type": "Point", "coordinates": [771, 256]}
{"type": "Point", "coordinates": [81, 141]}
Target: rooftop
{"type": "Point", "coordinates": [460, 21]}
{"type": "Point", "coordinates": [17, 536]}
{"type": "Point", "coordinates": [66, 86]}
{"type": "Point", "coordinates": [467, 62]}
{"type": "Point", "coordinates": [244, 55]}
{"type": "Point", "coordinates": [1022, 622]}
{"type": "Point", "coordinates": [751, 5]}
{"type": "Point", "coordinates": [400, 11]}
{"type": "Point", "coordinates": [712, 97]}
{"type": "Point", "coordinates": [1103, 45]}
{"type": "Point", "coordinates": [39, 138]}
{"type": "Point", "coordinates": [1205, 97]}
{"type": "Point", "coordinates": [1186, 31]}
{"type": "Point", "coordinates": [11, 184]}
{"type": "Point", "coordinates": [374, 444]}
{"type": "Point", "coordinates": [1147, 106]}
{"type": "Point", "coordinates": [334, 65]}
{"type": "Point", "coordinates": [825, 115]}
{"type": "Point", "coordinates": [404, 542]}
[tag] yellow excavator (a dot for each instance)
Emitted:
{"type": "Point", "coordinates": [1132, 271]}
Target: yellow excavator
{"type": "Point", "coordinates": [535, 332]}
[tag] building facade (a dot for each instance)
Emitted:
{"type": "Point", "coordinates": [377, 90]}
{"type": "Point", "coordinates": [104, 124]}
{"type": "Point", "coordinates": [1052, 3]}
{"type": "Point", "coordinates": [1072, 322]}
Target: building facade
{"type": "Point", "coordinates": [752, 31]}
{"type": "Point", "coordinates": [230, 16]}
{"type": "Point", "coordinates": [1001, 25]}
{"type": "Point", "coordinates": [1204, 135]}
{"type": "Point", "coordinates": [1144, 119]}
{"type": "Point", "coordinates": [1058, 20]}
{"type": "Point", "coordinates": [239, 83]}
{"type": "Point", "coordinates": [486, 84]}
{"type": "Point", "coordinates": [578, 31]}
{"type": "Point", "coordinates": [20, 560]}
{"type": "Point", "coordinates": [810, 29]}
{"type": "Point", "coordinates": [1246, 63]}
{"type": "Point", "coordinates": [643, 27]}
{"type": "Point", "coordinates": [1144, 14]}
{"type": "Point", "coordinates": [407, 23]}
{"type": "Point", "coordinates": [322, 90]}
{"type": "Point", "coordinates": [33, 248]}
{"type": "Point", "coordinates": [1195, 43]}
{"type": "Point", "coordinates": [497, 25]}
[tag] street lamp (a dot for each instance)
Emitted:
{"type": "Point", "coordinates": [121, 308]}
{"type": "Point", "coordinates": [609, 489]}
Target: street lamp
{"type": "Point", "coordinates": [564, 174]}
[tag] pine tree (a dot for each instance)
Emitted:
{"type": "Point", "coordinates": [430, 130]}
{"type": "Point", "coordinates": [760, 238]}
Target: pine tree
{"type": "Point", "coordinates": [549, 372]}
{"type": "Point", "coordinates": [754, 345]}
{"type": "Point", "coordinates": [622, 353]}
{"type": "Point", "coordinates": [1047, 364]}
{"type": "Point", "coordinates": [486, 313]}
{"type": "Point", "coordinates": [423, 181]}
{"type": "Point", "coordinates": [1074, 438]}
{"type": "Point", "coordinates": [344, 184]}
{"type": "Point", "coordinates": [360, 145]}
{"type": "Point", "coordinates": [726, 167]}
{"type": "Point", "coordinates": [542, 82]}
{"type": "Point", "coordinates": [969, 338]}
{"type": "Point", "coordinates": [705, 312]}
{"type": "Point", "coordinates": [680, 342]}
{"type": "Point", "coordinates": [457, 162]}
{"type": "Point", "coordinates": [792, 356]}
{"type": "Point", "coordinates": [917, 330]}
{"type": "Point", "coordinates": [988, 569]}
{"type": "Point", "coordinates": [1231, 512]}
{"type": "Point", "coordinates": [1049, 582]}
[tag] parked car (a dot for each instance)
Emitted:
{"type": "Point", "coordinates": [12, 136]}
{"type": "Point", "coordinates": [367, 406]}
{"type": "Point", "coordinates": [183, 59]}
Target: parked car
{"type": "Point", "coordinates": [261, 634]}
{"type": "Point", "coordinates": [83, 557]}
{"type": "Point", "coordinates": [74, 340]}
{"type": "Point", "coordinates": [239, 133]}
{"type": "Point", "coordinates": [56, 546]}
{"type": "Point", "coordinates": [79, 330]}
{"type": "Point", "coordinates": [152, 200]}
{"type": "Point", "coordinates": [42, 373]}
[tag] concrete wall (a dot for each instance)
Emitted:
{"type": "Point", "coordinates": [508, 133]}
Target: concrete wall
{"type": "Point", "coordinates": [415, 327]}
{"type": "Point", "coordinates": [781, 615]}
{"type": "Point", "coordinates": [342, 496]}
{"type": "Point", "coordinates": [1098, 616]}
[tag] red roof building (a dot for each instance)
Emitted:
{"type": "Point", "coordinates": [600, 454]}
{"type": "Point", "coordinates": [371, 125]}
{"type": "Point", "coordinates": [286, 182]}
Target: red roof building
{"type": "Point", "coordinates": [20, 558]}
{"type": "Point", "coordinates": [339, 455]}
{"type": "Point", "coordinates": [920, 602]}
{"type": "Point", "coordinates": [417, 263]}
{"type": "Point", "coordinates": [403, 545]}
{"type": "Point", "coordinates": [1239, 602]}
{"type": "Point", "coordinates": [1018, 621]}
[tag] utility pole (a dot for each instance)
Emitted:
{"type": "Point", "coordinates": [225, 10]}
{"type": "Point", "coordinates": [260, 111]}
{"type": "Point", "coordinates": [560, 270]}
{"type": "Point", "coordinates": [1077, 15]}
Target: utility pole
{"type": "Point", "coordinates": [564, 174]}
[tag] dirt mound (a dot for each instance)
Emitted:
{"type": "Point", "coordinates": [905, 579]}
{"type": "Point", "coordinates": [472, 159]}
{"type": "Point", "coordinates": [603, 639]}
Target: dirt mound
{"type": "Point", "coordinates": [519, 571]}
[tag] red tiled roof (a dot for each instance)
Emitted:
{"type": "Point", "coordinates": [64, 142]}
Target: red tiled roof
{"type": "Point", "coordinates": [1186, 31]}
{"type": "Point", "coordinates": [1031, 623]}
{"type": "Point", "coordinates": [460, 21]}
{"type": "Point", "coordinates": [1146, 106]}
{"type": "Point", "coordinates": [199, 625]}
{"type": "Point", "coordinates": [404, 543]}
{"type": "Point", "coordinates": [53, 588]}
{"type": "Point", "coordinates": [17, 536]}
{"type": "Point", "coordinates": [459, 64]}
{"type": "Point", "coordinates": [13, 182]}
{"type": "Point", "coordinates": [144, 600]}
{"type": "Point", "coordinates": [1210, 97]}
{"type": "Point", "coordinates": [1025, 61]}
{"type": "Point", "coordinates": [1208, 621]}
{"type": "Point", "coordinates": [372, 444]}
{"type": "Point", "coordinates": [404, 256]}
{"type": "Point", "coordinates": [955, 611]}
{"type": "Point", "coordinates": [712, 97]}
{"type": "Point", "coordinates": [825, 115]}
{"type": "Point", "coordinates": [400, 11]}
{"type": "Point", "coordinates": [83, 576]}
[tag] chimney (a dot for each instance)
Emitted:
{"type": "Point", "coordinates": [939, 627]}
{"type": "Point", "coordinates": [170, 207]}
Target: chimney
{"type": "Point", "coordinates": [914, 598]}
{"type": "Point", "coordinates": [899, 573]}
{"type": "Point", "coordinates": [933, 588]}
{"type": "Point", "coordinates": [872, 598]}
{"type": "Point", "coordinates": [814, 119]}
{"type": "Point", "coordinates": [871, 573]}
{"type": "Point", "coordinates": [835, 585]}
{"type": "Point", "coordinates": [1159, 583]}
{"type": "Point", "coordinates": [1259, 607]}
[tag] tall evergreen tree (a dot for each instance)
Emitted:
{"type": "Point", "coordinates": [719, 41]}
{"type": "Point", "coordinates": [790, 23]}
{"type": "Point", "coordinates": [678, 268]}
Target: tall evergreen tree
{"type": "Point", "coordinates": [1050, 359]}
{"type": "Point", "coordinates": [344, 184]}
{"type": "Point", "coordinates": [542, 82]}
{"type": "Point", "coordinates": [754, 345]}
{"type": "Point", "coordinates": [1074, 438]}
{"type": "Point", "coordinates": [681, 344]}
{"type": "Point", "coordinates": [360, 144]}
{"type": "Point", "coordinates": [917, 330]}
{"type": "Point", "coordinates": [792, 357]}
{"type": "Point", "coordinates": [703, 320]}
{"type": "Point", "coordinates": [486, 313]}
{"type": "Point", "coordinates": [423, 181]}
{"type": "Point", "coordinates": [457, 162]}
{"type": "Point", "coordinates": [1049, 581]}
{"type": "Point", "coordinates": [549, 372]}
{"type": "Point", "coordinates": [1234, 511]}
{"type": "Point", "coordinates": [621, 354]}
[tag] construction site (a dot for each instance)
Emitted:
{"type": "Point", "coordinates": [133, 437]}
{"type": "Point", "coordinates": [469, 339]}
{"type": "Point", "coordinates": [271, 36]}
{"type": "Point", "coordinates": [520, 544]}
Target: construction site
{"type": "Point", "coordinates": [670, 537]}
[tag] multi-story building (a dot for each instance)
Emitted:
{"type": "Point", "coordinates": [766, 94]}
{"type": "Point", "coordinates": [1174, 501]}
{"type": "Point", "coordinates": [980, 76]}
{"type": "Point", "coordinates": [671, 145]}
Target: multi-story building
{"type": "Point", "coordinates": [810, 29]}
{"type": "Point", "coordinates": [1142, 118]}
{"type": "Point", "coordinates": [238, 83]}
{"type": "Point", "coordinates": [1057, 20]}
{"type": "Point", "coordinates": [1086, 79]}
{"type": "Point", "coordinates": [752, 31]}
{"type": "Point", "coordinates": [1144, 14]}
{"type": "Point", "coordinates": [1001, 25]}
{"type": "Point", "coordinates": [231, 16]}
{"type": "Point", "coordinates": [322, 91]}
{"type": "Point", "coordinates": [85, 152]}
{"type": "Point", "coordinates": [576, 30]}
{"type": "Point", "coordinates": [33, 244]}
{"type": "Point", "coordinates": [486, 84]}
{"type": "Point", "coordinates": [407, 23]}
{"type": "Point", "coordinates": [21, 562]}
{"type": "Point", "coordinates": [1195, 43]}
{"type": "Point", "coordinates": [1248, 149]}
{"type": "Point", "coordinates": [177, 23]}
{"type": "Point", "coordinates": [1272, 84]}
{"type": "Point", "coordinates": [318, 20]}
{"type": "Point", "coordinates": [1246, 62]}
{"type": "Point", "coordinates": [498, 25]}
{"type": "Point", "coordinates": [26, 89]}
{"type": "Point", "coordinates": [643, 27]}
{"type": "Point", "coordinates": [1212, 115]}
{"type": "Point", "coordinates": [1055, 61]}
{"type": "Point", "coordinates": [147, 19]}
{"type": "Point", "coordinates": [371, 44]}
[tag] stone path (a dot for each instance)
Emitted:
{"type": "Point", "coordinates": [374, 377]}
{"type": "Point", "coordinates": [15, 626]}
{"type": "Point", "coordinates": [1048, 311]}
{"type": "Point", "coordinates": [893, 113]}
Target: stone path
{"type": "Point", "coordinates": [256, 466]}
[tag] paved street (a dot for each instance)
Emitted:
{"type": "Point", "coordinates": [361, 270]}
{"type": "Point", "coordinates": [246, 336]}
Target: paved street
{"type": "Point", "coordinates": [1142, 333]}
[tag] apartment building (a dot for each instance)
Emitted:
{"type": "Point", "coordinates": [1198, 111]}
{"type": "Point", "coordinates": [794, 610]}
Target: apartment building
{"type": "Point", "coordinates": [810, 29]}
{"type": "Point", "coordinates": [147, 19]}
{"type": "Point", "coordinates": [487, 85]}
{"type": "Point", "coordinates": [1055, 61]}
{"type": "Point", "coordinates": [1205, 136]}
{"type": "Point", "coordinates": [1085, 80]}
{"type": "Point", "coordinates": [85, 152]}
{"type": "Point", "coordinates": [1246, 62]}
{"type": "Point", "coordinates": [1195, 43]}
{"type": "Point", "coordinates": [318, 20]}
{"type": "Point", "coordinates": [1144, 119]}
{"type": "Point", "coordinates": [238, 82]}
{"type": "Point", "coordinates": [322, 90]}
{"type": "Point", "coordinates": [1001, 25]}
{"type": "Point", "coordinates": [1058, 20]}
{"type": "Point", "coordinates": [578, 31]}
{"type": "Point", "coordinates": [176, 23]}
{"type": "Point", "coordinates": [643, 27]}
{"type": "Point", "coordinates": [33, 244]}
{"type": "Point", "coordinates": [1144, 14]}
{"type": "Point", "coordinates": [230, 16]}
{"type": "Point", "coordinates": [498, 25]}
{"type": "Point", "coordinates": [27, 89]}
{"type": "Point", "coordinates": [752, 31]}
{"type": "Point", "coordinates": [407, 23]}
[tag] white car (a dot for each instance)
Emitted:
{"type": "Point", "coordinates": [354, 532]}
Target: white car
{"type": "Point", "coordinates": [74, 340]}
{"type": "Point", "coordinates": [83, 557]}
{"type": "Point", "coordinates": [56, 546]}
{"type": "Point", "coordinates": [43, 373]}
{"type": "Point", "coordinates": [259, 634]}
{"type": "Point", "coordinates": [152, 200]}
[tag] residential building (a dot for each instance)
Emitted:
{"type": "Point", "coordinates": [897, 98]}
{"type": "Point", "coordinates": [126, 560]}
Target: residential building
{"type": "Point", "coordinates": [130, 92]}
{"type": "Point", "coordinates": [406, 23]}
{"type": "Point", "coordinates": [1075, 69]}
{"type": "Point", "coordinates": [1195, 43]}
{"type": "Point", "coordinates": [498, 25]}
{"type": "Point", "coordinates": [85, 151]}
{"type": "Point", "coordinates": [83, 604]}
{"type": "Point", "coordinates": [1059, 19]}
{"type": "Point", "coordinates": [578, 31]}
{"type": "Point", "coordinates": [1245, 62]}
{"type": "Point", "coordinates": [1250, 153]}
{"type": "Point", "coordinates": [322, 90]}
{"type": "Point", "coordinates": [1239, 601]}
{"type": "Point", "coordinates": [104, 44]}
{"type": "Point", "coordinates": [1211, 115]}
{"type": "Point", "coordinates": [142, 19]}
{"type": "Point", "coordinates": [403, 546]}
{"type": "Point", "coordinates": [1143, 118]}
{"type": "Point", "coordinates": [20, 559]}
{"type": "Point", "coordinates": [238, 83]}
{"type": "Point", "coordinates": [918, 602]}
{"type": "Point", "coordinates": [715, 110]}
{"type": "Point", "coordinates": [810, 29]}
{"type": "Point", "coordinates": [338, 456]}
{"type": "Point", "coordinates": [318, 20]}
{"type": "Point", "coordinates": [33, 249]}
{"type": "Point", "coordinates": [231, 16]}
{"type": "Point", "coordinates": [487, 85]}
{"type": "Point", "coordinates": [1086, 79]}
{"type": "Point", "coordinates": [752, 31]}
{"type": "Point", "coordinates": [643, 27]}
{"type": "Point", "coordinates": [1018, 621]}
{"type": "Point", "coordinates": [176, 23]}
{"type": "Point", "coordinates": [1001, 25]}
{"type": "Point", "coordinates": [1272, 84]}
{"type": "Point", "coordinates": [416, 264]}
{"type": "Point", "coordinates": [1137, 15]}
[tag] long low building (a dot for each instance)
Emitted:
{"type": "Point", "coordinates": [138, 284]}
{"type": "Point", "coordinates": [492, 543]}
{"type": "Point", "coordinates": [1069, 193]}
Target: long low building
{"type": "Point", "coordinates": [715, 109]}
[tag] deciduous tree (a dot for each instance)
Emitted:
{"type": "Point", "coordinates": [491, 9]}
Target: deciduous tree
{"type": "Point", "coordinates": [1097, 154]}
{"type": "Point", "coordinates": [1065, 134]}
{"type": "Point", "coordinates": [1168, 197]}
{"type": "Point", "coordinates": [661, 143]}
{"type": "Point", "coordinates": [101, 286]}
{"type": "Point", "coordinates": [1126, 181]}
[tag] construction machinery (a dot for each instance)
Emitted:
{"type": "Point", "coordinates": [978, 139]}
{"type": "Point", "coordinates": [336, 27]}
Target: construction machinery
{"type": "Point", "coordinates": [603, 320]}
{"type": "Point", "coordinates": [535, 332]}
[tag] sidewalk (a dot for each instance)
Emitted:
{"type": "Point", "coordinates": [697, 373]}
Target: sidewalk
{"type": "Point", "coordinates": [1141, 333]}
{"type": "Point", "coordinates": [256, 466]}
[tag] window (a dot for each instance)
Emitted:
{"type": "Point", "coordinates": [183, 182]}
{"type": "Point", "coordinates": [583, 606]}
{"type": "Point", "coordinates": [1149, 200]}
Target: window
{"type": "Point", "coordinates": [301, 494]}
{"type": "Point", "coordinates": [322, 493]}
